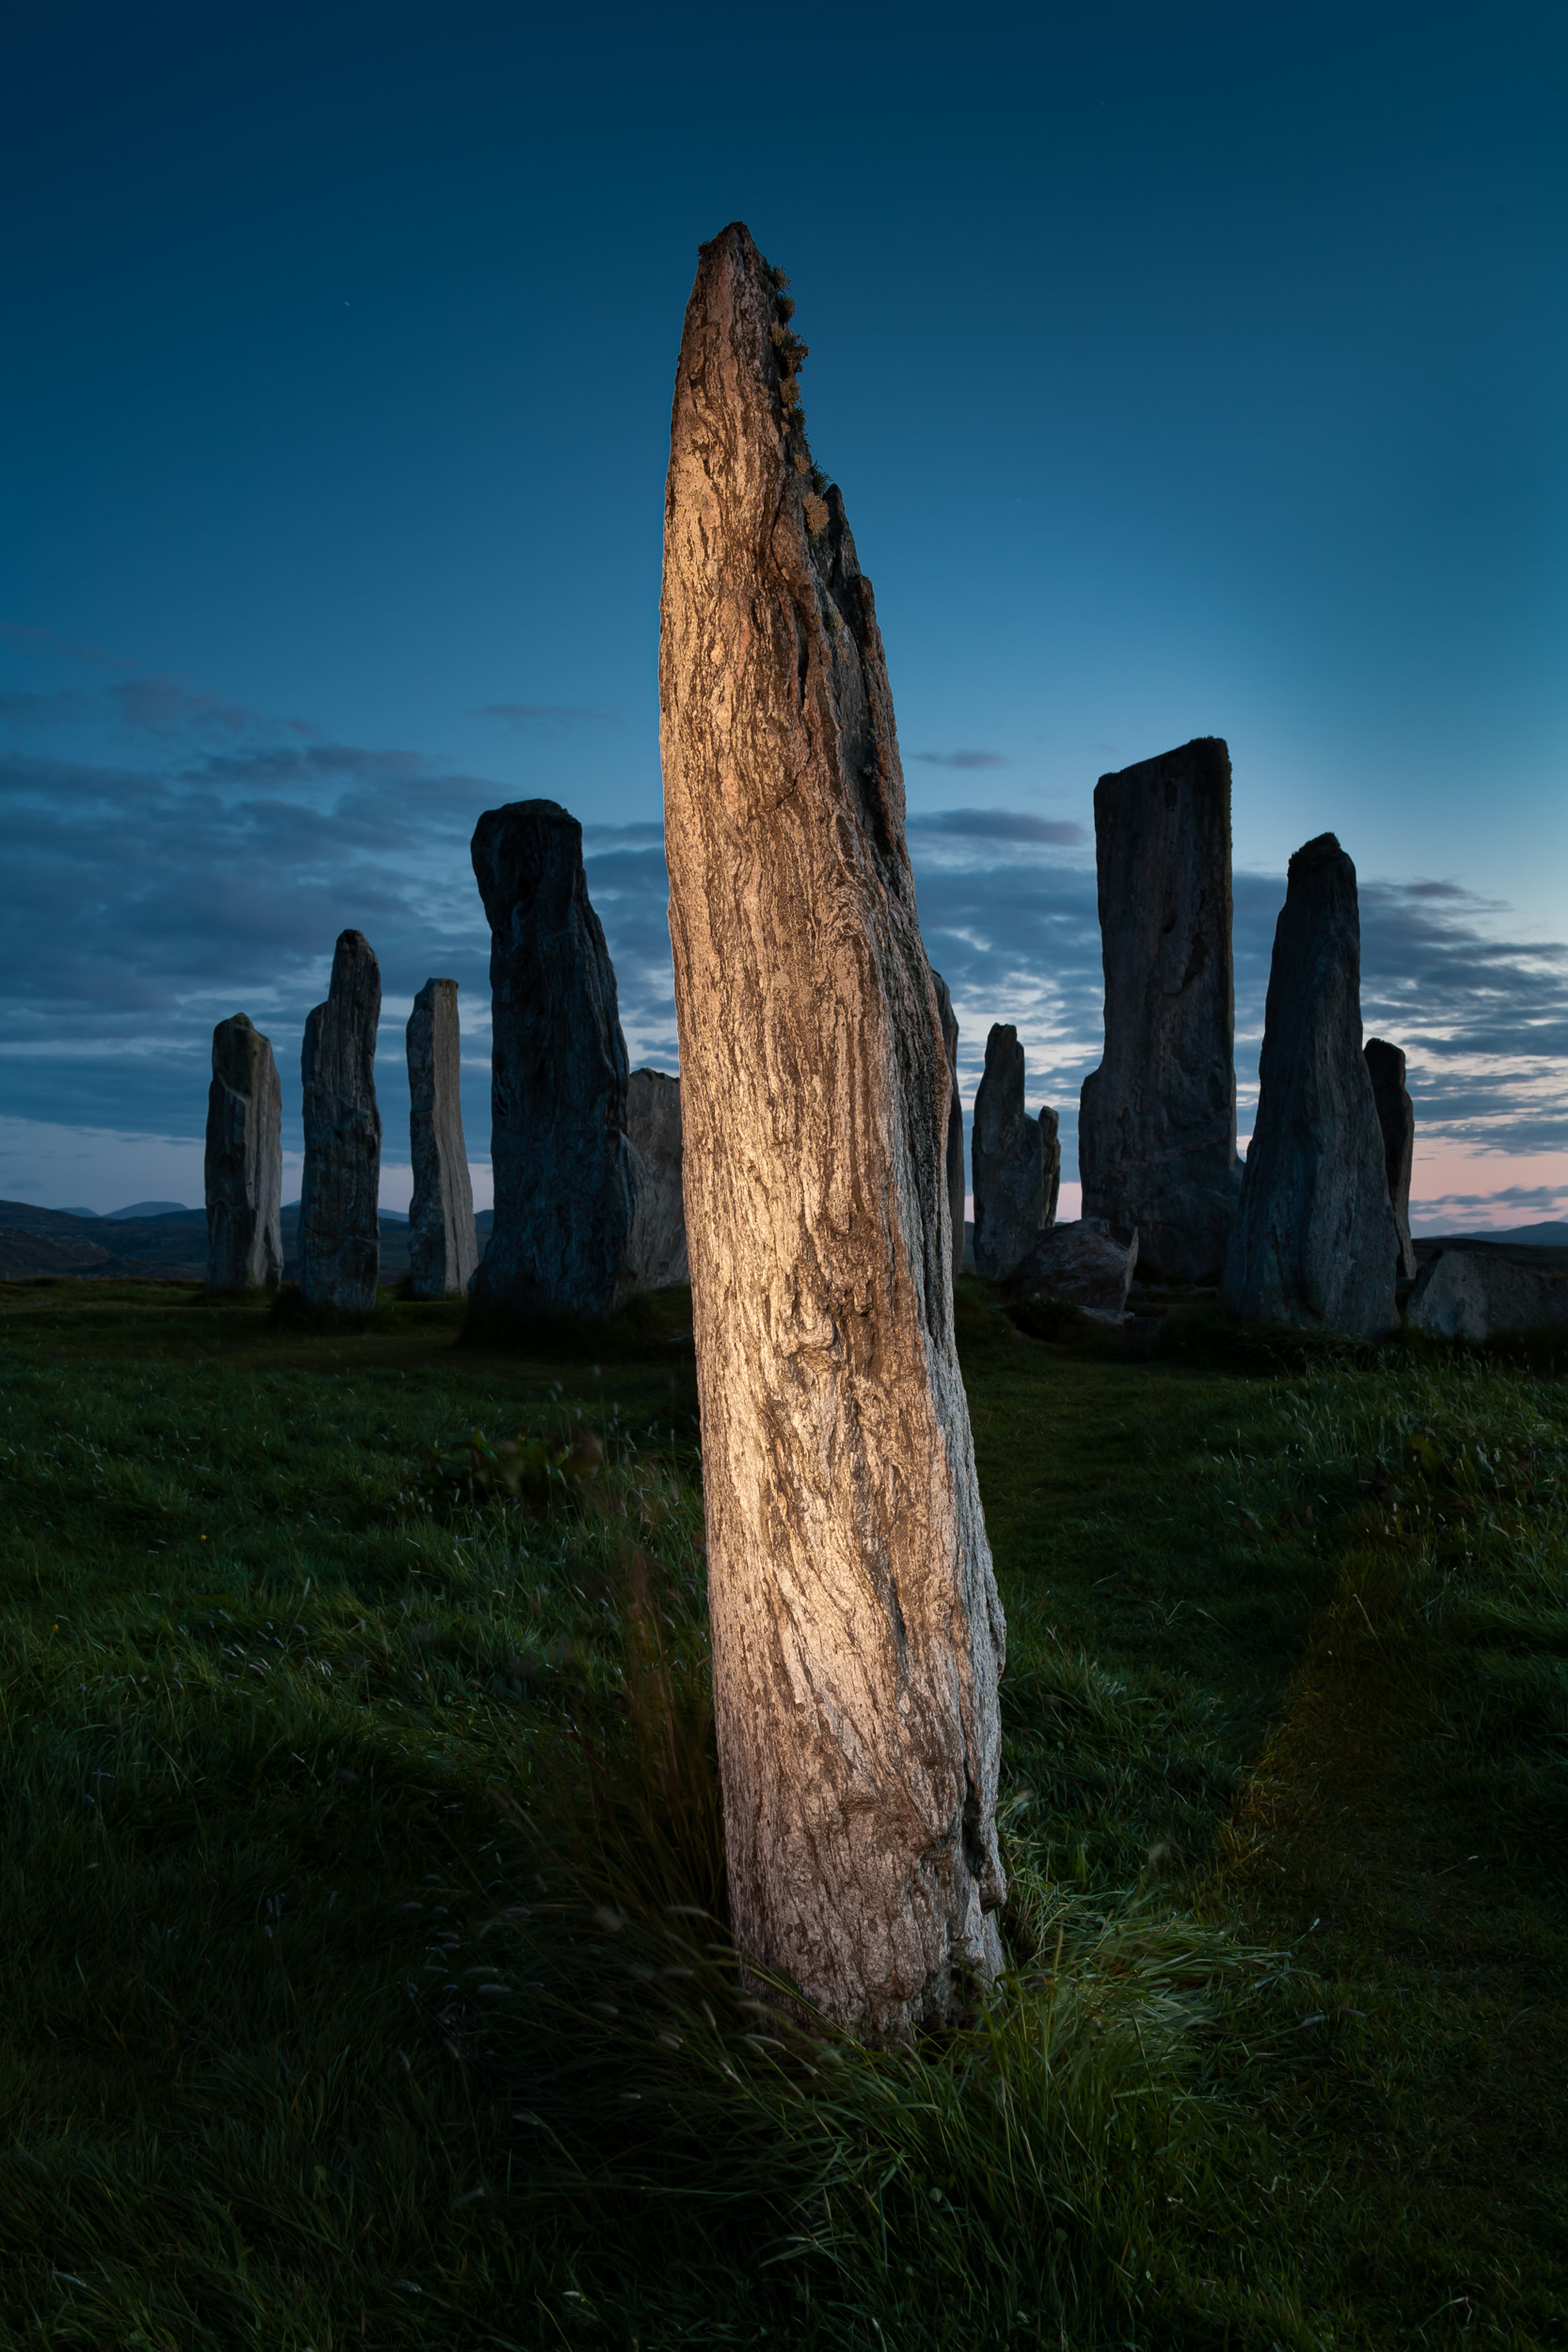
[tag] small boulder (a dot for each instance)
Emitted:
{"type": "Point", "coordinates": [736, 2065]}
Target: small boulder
{"type": "Point", "coordinates": [1472, 1294]}
{"type": "Point", "coordinates": [1085, 1262]}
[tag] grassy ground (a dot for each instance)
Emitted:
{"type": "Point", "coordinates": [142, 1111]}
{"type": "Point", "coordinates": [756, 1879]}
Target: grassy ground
{"type": "Point", "coordinates": [364, 1977]}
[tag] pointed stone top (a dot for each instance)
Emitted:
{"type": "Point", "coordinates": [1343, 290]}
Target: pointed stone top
{"type": "Point", "coordinates": [1312, 855]}
{"type": "Point", "coordinates": [738, 290]}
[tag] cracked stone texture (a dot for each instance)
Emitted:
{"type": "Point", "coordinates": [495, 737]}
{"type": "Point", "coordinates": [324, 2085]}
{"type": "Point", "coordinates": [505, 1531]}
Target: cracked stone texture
{"type": "Point", "coordinates": [566, 1176]}
{"type": "Point", "coordinates": [654, 1125]}
{"type": "Point", "coordinates": [443, 1248]}
{"type": "Point", "coordinates": [857, 1632]}
{"type": "Point", "coordinates": [340, 1230]}
{"type": "Point", "coordinates": [1396, 1116]}
{"type": "Point", "coordinates": [1314, 1241]}
{"type": "Point", "coordinates": [1157, 1120]}
{"type": "Point", "coordinates": [1008, 1153]}
{"type": "Point", "coordinates": [244, 1161]}
{"type": "Point", "coordinates": [956, 1185]}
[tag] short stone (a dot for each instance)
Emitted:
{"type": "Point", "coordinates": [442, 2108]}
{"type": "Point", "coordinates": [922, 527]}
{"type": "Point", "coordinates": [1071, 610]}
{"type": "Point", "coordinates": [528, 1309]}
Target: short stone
{"type": "Point", "coordinates": [1085, 1262]}
{"type": "Point", "coordinates": [1396, 1117]}
{"type": "Point", "coordinates": [1471, 1294]}
{"type": "Point", "coordinates": [658, 1231]}
{"type": "Point", "coordinates": [443, 1249]}
{"type": "Point", "coordinates": [243, 1161]}
{"type": "Point", "coordinates": [1008, 1161]}
{"type": "Point", "coordinates": [1051, 1160]}
{"type": "Point", "coordinates": [340, 1226]}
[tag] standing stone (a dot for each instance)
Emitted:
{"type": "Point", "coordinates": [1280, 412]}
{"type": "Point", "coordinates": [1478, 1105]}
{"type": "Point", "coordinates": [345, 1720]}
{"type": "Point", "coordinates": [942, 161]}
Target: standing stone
{"type": "Point", "coordinates": [956, 1187]}
{"type": "Point", "coordinates": [654, 1125]}
{"type": "Point", "coordinates": [1396, 1116]}
{"type": "Point", "coordinates": [857, 1633]}
{"type": "Point", "coordinates": [340, 1230]}
{"type": "Point", "coordinates": [1314, 1240]}
{"type": "Point", "coordinates": [1050, 1156]}
{"type": "Point", "coordinates": [443, 1249]}
{"type": "Point", "coordinates": [566, 1177]}
{"type": "Point", "coordinates": [1157, 1121]}
{"type": "Point", "coordinates": [244, 1161]}
{"type": "Point", "coordinates": [1009, 1161]}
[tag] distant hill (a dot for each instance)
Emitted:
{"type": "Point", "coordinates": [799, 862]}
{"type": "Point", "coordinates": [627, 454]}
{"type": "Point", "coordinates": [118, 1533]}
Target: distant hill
{"type": "Point", "coordinates": [148, 1208]}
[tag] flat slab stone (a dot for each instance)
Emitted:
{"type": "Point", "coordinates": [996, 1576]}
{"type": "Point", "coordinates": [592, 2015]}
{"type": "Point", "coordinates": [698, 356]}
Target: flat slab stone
{"type": "Point", "coordinates": [339, 1227]}
{"type": "Point", "coordinates": [1314, 1241]}
{"type": "Point", "coordinates": [443, 1249]}
{"type": "Point", "coordinates": [1157, 1120]}
{"type": "Point", "coordinates": [1472, 1294]}
{"type": "Point", "coordinates": [566, 1176]}
{"type": "Point", "coordinates": [1009, 1158]}
{"type": "Point", "coordinates": [244, 1167]}
{"type": "Point", "coordinates": [658, 1234]}
{"type": "Point", "coordinates": [1084, 1263]}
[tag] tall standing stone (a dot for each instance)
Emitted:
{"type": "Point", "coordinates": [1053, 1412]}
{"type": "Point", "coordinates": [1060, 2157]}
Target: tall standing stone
{"type": "Point", "coordinates": [443, 1249]}
{"type": "Point", "coordinates": [339, 1227]}
{"type": "Point", "coordinates": [1009, 1153]}
{"type": "Point", "coordinates": [1396, 1116]}
{"type": "Point", "coordinates": [1051, 1162]}
{"type": "Point", "coordinates": [956, 1186]}
{"type": "Point", "coordinates": [654, 1125]}
{"type": "Point", "coordinates": [1314, 1240]}
{"type": "Point", "coordinates": [566, 1177]}
{"type": "Point", "coordinates": [1157, 1121]}
{"type": "Point", "coordinates": [244, 1161]}
{"type": "Point", "coordinates": [857, 1633]}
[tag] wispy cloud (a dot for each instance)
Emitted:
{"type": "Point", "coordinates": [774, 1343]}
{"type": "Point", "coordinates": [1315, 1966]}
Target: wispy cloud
{"type": "Point", "coordinates": [962, 759]}
{"type": "Point", "coordinates": [999, 825]}
{"type": "Point", "coordinates": [549, 718]}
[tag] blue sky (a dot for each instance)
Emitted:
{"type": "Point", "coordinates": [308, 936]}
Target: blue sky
{"type": "Point", "coordinates": [1186, 370]}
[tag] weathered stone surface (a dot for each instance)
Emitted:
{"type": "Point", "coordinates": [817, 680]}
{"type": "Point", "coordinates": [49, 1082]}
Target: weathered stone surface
{"type": "Point", "coordinates": [956, 1185]}
{"type": "Point", "coordinates": [1051, 1160]}
{"type": "Point", "coordinates": [1084, 1263]}
{"type": "Point", "coordinates": [1008, 1156]}
{"type": "Point", "coordinates": [1314, 1240]}
{"type": "Point", "coordinates": [443, 1249]}
{"type": "Point", "coordinates": [339, 1227]}
{"type": "Point", "coordinates": [1396, 1117]}
{"type": "Point", "coordinates": [857, 1633]}
{"type": "Point", "coordinates": [244, 1161]}
{"type": "Point", "coordinates": [1157, 1121]}
{"type": "Point", "coordinates": [658, 1233]}
{"type": "Point", "coordinates": [1471, 1294]}
{"type": "Point", "coordinates": [566, 1177]}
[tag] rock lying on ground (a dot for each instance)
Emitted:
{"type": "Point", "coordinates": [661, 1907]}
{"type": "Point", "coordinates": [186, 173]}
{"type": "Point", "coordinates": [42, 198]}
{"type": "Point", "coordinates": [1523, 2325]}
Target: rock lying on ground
{"type": "Point", "coordinates": [658, 1229]}
{"type": "Point", "coordinates": [1157, 1120]}
{"type": "Point", "coordinates": [1084, 1263]}
{"type": "Point", "coordinates": [443, 1249]}
{"type": "Point", "coordinates": [244, 1167]}
{"type": "Point", "coordinates": [1396, 1116]}
{"type": "Point", "coordinates": [1472, 1294]}
{"type": "Point", "coordinates": [340, 1233]}
{"type": "Point", "coordinates": [1314, 1241]}
{"type": "Point", "coordinates": [1008, 1153]}
{"type": "Point", "coordinates": [566, 1176]}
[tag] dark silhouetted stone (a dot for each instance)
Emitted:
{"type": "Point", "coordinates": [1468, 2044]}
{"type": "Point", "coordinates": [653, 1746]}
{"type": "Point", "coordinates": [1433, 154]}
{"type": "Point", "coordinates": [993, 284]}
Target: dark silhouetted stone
{"type": "Point", "coordinates": [244, 1161]}
{"type": "Point", "coordinates": [1051, 1161]}
{"type": "Point", "coordinates": [1084, 1263]}
{"type": "Point", "coordinates": [658, 1234]}
{"type": "Point", "coordinates": [1471, 1294]}
{"type": "Point", "coordinates": [443, 1249]}
{"type": "Point", "coordinates": [1157, 1122]}
{"type": "Point", "coordinates": [1008, 1153]}
{"type": "Point", "coordinates": [1396, 1116]}
{"type": "Point", "coordinates": [1314, 1240]}
{"type": "Point", "coordinates": [565, 1174]}
{"type": "Point", "coordinates": [340, 1230]}
{"type": "Point", "coordinates": [956, 1186]}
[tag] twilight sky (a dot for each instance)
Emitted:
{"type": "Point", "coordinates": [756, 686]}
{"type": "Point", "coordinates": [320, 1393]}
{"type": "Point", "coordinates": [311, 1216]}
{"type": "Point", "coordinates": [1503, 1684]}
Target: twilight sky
{"type": "Point", "coordinates": [1187, 370]}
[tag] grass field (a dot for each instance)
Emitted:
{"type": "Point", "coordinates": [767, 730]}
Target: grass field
{"type": "Point", "coordinates": [364, 1979]}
